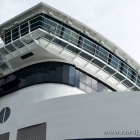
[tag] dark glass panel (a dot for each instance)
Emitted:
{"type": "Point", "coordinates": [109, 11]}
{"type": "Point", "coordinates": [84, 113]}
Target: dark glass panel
{"type": "Point", "coordinates": [127, 83]}
{"type": "Point", "coordinates": [18, 43]}
{"type": "Point", "coordinates": [24, 29]}
{"type": "Point", "coordinates": [33, 76]}
{"type": "Point", "coordinates": [135, 89]}
{"type": "Point", "coordinates": [49, 25]}
{"type": "Point", "coordinates": [59, 42]}
{"type": "Point", "coordinates": [28, 77]}
{"type": "Point", "coordinates": [40, 72]}
{"type": "Point", "coordinates": [52, 75]}
{"type": "Point", "coordinates": [59, 74]}
{"type": "Point", "coordinates": [82, 77]}
{"type": "Point", "coordinates": [88, 89]}
{"type": "Point", "coordinates": [3, 51]}
{"type": "Point", "coordinates": [35, 23]}
{"type": "Point", "coordinates": [7, 114]}
{"type": "Point", "coordinates": [138, 81]}
{"type": "Point", "coordinates": [10, 48]}
{"type": "Point", "coordinates": [2, 115]}
{"type": "Point", "coordinates": [113, 61]}
{"type": "Point", "coordinates": [73, 49]}
{"type": "Point", "coordinates": [109, 70]}
{"type": "Point", "coordinates": [123, 68]}
{"type": "Point", "coordinates": [88, 81]}
{"type": "Point", "coordinates": [15, 33]}
{"type": "Point", "coordinates": [7, 37]}
{"type": "Point", "coordinates": [59, 30]}
{"type": "Point", "coordinates": [94, 84]}
{"type": "Point", "coordinates": [46, 74]}
{"type": "Point", "coordinates": [118, 76]}
{"type": "Point", "coordinates": [77, 78]}
{"type": "Point", "coordinates": [131, 74]}
{"type": "Point", "coordinates": [71, 75]}
{"type": "Point", "coordinates": [88, 46]}
{"type": "Point", "coordinates": [74, 38]}
{"type": "Point", "coordinates": [66, 34]}
{"type": "Point", "coordinates": [82, 86]}
{"type": "Point", "coordinates": [80, 42]}
{"type": "Point", "coordinates": [66, 74]}
{"type": "Point", "coordinates": [101, 53]}
{"type": "Point", "coordinates": [22, 76]}
{"type": "Point", "coordinates": [48, 37]}
{"type": "Point", "coordinates": [10, 82]}
{"type": "Point", "coordinates": [86, 56]}
{"type": "Point", "coordinates": [98, 63]}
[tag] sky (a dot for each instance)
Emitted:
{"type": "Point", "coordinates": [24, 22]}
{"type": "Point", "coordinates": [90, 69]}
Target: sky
{"type": "Point", "coordinates": [117, 20]}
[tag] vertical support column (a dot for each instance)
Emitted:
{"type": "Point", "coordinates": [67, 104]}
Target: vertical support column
{"type": "Point", "coordinates": [29, 27]}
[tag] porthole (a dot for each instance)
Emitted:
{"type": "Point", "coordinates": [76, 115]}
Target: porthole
{"type": "Point", "coordinates": [4, 114]}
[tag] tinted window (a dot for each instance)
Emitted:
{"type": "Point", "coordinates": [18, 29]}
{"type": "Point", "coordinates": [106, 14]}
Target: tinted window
{"type": "Point", "coordinates": [88, 46]}
{"type": "Point", "coordinates": [71, 75]}
{"type": "Point", "coordinates": [113, 61]}
{"type": "Point", "coordinates": [102, 53]}
{"type": "Point", "coordinates": [15, 33]}
{"type": "Point", "coordinates": [123, 68]}
{"type": "Point", "coordinates": [24, 29]}
{"type": "Point", "coordinates": [7, 37]}
{"type": "Point", "coordinates": [74, 38]}
{"type": "Point", "coordinates": [66, 34]}
{"type": "Point", "coordinates": [49, 25]}
{"type": "Point", "coordinates": [35, 23]}
{"type": "Point", "coordinates": [48, 72]}
{"type": "Point", "coordinates": [77, 78]}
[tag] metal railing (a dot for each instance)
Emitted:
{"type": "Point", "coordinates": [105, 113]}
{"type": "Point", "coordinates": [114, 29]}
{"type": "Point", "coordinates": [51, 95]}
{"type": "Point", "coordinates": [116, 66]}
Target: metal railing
{"type": "Point", "coordinates": [62, 31]}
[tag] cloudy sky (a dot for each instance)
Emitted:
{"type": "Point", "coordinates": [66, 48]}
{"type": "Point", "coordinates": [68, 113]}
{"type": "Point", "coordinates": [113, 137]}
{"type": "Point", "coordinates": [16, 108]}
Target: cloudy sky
{"type": "Point", "coordinates": [117, 20]}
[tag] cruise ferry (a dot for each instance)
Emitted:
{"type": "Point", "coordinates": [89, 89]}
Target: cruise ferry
{"type": "Point", "coordinates": [61, 80]}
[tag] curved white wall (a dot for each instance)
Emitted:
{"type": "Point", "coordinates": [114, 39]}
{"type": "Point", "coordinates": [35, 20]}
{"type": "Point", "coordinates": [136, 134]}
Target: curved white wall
{"type": "Point", "coordinates": [74, 116]}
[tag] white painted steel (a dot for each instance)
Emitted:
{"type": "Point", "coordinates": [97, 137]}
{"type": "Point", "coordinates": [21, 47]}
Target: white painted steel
{"type": "Point", "coordinates": [69, 113]}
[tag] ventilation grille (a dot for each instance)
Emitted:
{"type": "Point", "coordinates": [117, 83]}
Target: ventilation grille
{"type": "Point", "coordinates": [36, 132]}
{"type": "Point", "coordinates": [4, 136]}
{"type": "Point", "coordinates": [27, 55]}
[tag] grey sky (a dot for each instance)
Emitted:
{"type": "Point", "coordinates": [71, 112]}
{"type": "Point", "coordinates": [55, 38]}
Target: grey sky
{"type": "Point", "coordinates": [117, 20]}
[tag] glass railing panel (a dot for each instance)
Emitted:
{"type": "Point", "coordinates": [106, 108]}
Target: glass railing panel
{"type": "Point", "coordinates": [74, 38]}
{"type": "Point", "coordinates": [122, 68]}
{"type": "Point", "coordinates": [113, 61]}
{"type": "Point", "coordinates": [66, 34]}
{"type": "Point", "coordinates": [85, 56]}
{"type": "Point", "coordinates": [88, 46]}
{"type": "Point", "coordinates": [102, 54]}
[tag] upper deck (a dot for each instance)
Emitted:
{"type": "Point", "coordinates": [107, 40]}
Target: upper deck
{"type": "Point", "coordinates": [43, 27]}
